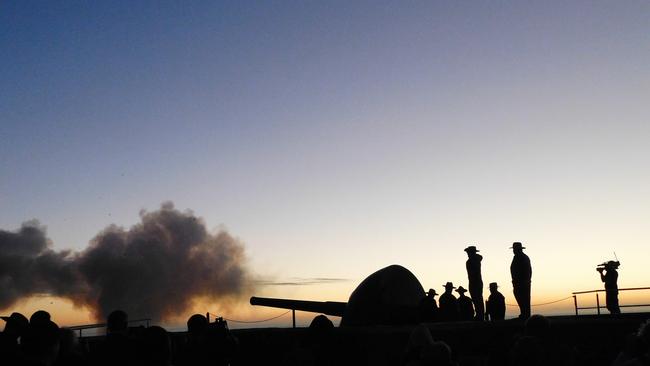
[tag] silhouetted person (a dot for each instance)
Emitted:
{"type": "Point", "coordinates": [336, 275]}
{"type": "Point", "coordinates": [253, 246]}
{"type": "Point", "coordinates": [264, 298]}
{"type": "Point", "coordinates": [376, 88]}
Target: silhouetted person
{"type": "Point", "coordinates": [41, 343]}
{"type": "Point", "coordinates": [465, 306]}
{"type": "Point", "coordinates": [16, 326]}
{"type": "Point", "coordinates": [194, 351]}
{"type": "Point", "coordinates": [40, 317]}
{"type": "Point", "coordinates": [117, 348]}
{"type": "Point", "coordinates": [496, 304]}
{"type": "Point", "coordinates": [320, 323]}
{"type": "Point", "coordinates": [475, 279]}
{"type": "Point", "coordinates": [316, 347]}
{"type": "Point", "coordinates": [448, 304]}
{"type": "Point", "coordinates": [429, 307]}
{"type": "Point", "coordinates": [610, 277]}
{"type": "Point", "coordinates": [521, 273]}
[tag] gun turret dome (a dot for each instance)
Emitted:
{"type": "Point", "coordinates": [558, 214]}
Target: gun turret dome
{"type": "Point", "coordinates": [389, 296]}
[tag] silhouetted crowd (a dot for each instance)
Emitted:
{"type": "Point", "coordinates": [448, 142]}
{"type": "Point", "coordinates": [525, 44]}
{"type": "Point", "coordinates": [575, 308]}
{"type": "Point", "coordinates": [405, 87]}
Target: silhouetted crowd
{"type": "Point", "coordinates": [463, 308]}
{"type": "Point", "coordinates": [40, 342]}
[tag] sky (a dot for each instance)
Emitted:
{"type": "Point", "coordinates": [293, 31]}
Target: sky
{"type": "Point", "coordinates": [336, 138]}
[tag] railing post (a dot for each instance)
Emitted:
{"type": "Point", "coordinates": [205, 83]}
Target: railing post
{"type": "Point", "coordinates": [293, 314]}
{"type": "Point", "coordinates": [575, 302]}
{"type": "Point", "coordinates": [597, 303]}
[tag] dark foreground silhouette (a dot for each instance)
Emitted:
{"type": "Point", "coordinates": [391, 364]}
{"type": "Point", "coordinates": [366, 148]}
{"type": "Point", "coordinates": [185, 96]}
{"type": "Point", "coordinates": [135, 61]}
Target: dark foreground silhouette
{"type": "Point", "coordinates": [537, 341]}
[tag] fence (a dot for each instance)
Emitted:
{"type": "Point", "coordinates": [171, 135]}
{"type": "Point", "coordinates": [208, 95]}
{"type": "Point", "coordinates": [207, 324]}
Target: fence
{"type": "Point", "coordinates": [598, 306]}
{"type": "Point", "coordinates": [81, 328]}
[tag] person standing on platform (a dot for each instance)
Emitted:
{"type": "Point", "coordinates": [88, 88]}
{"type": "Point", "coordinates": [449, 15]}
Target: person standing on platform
{"type": "Point", "coordinates": [473, 266]}
{"type": "Point", "coordinates": [496, 304]}
{"type": "Point", "coordinates": [521, 273]}
{"type": "Point", "coordinates": [465, 306]}
{"type": "Point", "coordinates": [429, 307]}
{"type": "Point", "coordinates": [611, 287]}
{"type": "Point", "coordinates": [448, 304]}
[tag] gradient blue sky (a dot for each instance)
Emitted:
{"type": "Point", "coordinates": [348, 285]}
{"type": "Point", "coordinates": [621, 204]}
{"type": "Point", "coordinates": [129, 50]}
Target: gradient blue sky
{"type": "Point", "coordinates": [335, 138]}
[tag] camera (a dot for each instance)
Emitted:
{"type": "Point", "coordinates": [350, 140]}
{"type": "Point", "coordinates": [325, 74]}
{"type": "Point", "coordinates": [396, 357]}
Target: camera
{"type": "Point", "coordinates": [608, 265]}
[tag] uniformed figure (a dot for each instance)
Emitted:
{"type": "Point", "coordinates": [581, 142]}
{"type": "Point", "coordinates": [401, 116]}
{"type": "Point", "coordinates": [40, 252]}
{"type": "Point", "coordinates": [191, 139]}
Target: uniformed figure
{"type": "Point", "coordinates": [473, 266]}
{"type": "Point", "coordinates": [465, 306]}
{"type": "Point", "coordinates": [496, 304]}
{"type": "Point", "coordinates": [611, 287]}
{"type": "Point", "coordinates": [429, 307]}
{"type": "Point", "coordinates": [448, 310]}
{"type": "Point", "coordinates": [521, 272]}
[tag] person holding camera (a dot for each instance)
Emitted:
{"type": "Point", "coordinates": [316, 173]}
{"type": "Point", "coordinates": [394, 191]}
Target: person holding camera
{"type": "Point", "coordinates": [610, 277]}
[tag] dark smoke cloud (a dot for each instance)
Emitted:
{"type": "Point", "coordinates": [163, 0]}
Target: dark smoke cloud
{"type": "Point", "coordinates": [28, 266]}
{"type": "Point", "coordinates": [155, 269]}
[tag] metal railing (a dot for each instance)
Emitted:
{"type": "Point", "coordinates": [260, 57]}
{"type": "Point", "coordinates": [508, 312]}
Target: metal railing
{"type": "Point", "coordinates": [81, 328]}
{"type": "Point", "coordinates": [598, 306]}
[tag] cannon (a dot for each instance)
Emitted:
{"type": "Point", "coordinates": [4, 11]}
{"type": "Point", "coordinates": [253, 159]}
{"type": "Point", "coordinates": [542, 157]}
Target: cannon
{"type": "Point", "coordinates": [390, 296]}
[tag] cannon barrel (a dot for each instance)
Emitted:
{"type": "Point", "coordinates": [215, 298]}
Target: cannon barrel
{"type": "Point", "coordinates": [334, 308]}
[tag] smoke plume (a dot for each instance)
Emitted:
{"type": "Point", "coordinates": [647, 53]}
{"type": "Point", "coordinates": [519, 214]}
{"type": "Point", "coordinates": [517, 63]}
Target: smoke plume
{"type": "Point", "coordinates": [154, 269]}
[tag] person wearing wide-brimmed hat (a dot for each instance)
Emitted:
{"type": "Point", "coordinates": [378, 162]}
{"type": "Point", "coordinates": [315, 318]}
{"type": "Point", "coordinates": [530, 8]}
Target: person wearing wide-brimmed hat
{"type": "Point", "coordinates": [429, 307]}
{"type": "Point", "coordinates": [448, 304]}
{"type": "Point", "coordinates": [521, 273]}
{"type": "Point", "coordinates": [465, 306]}
{"type": "Point", "coordinates": [16, 327]}
{"type": "Point", "coordinates": [610, 278]}
{"type": "Point", "coordinates": [475, 281]}
{"type": "Point", "coordinates": [496, 304]}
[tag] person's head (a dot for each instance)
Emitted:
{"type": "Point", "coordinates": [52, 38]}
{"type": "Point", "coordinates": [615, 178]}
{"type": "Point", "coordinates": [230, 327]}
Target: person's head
{"type": "Point", "coordinates": [612, 265]}
{"type": "Point", "coordinates": [39, 318]}
{"type": "Point", "coordinates": [321, 322]}
{"type": "Point", "coordinates": [494, 287]}
{"type": "Point", "coordinates": [461, 291]}
{"type": "Point", "coordinates": [16, 326]}
{"type": "Point", "coordinates": [117, 322]}
{"type": "Point", "coordinates": [197, 324]}
{"type": "Point", "coordinates": [449, 287]}
{"type": "Point", "coordinates": [471, 250]}
{"type": "Point", "coordinates": [517, 247]}
{"type": "Point", "coordinates": [431, 293]}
